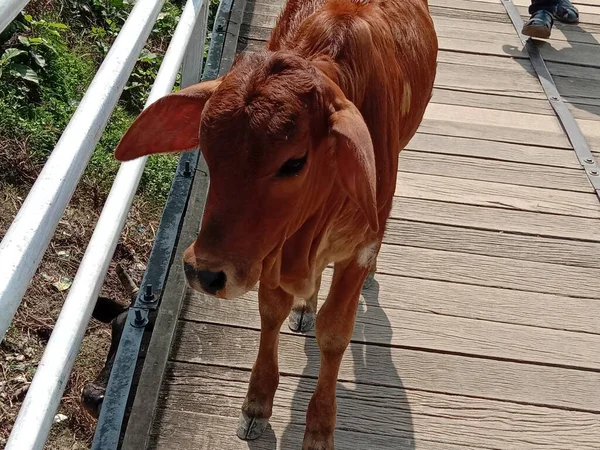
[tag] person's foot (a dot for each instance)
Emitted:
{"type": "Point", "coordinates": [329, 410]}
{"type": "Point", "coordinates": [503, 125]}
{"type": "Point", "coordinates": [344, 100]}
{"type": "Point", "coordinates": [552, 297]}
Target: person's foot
{"type": "Point", "coordinates": [539, 25]}
{"type": "Point", "coordinates": [566, 12]}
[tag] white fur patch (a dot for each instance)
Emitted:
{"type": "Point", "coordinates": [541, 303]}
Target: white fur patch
{"type": "Point", "coordinates": [367, 254]}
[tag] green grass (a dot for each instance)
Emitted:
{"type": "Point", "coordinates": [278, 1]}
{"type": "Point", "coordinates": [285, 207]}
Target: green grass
{"type": "Point", "coordinates": [56, 59]}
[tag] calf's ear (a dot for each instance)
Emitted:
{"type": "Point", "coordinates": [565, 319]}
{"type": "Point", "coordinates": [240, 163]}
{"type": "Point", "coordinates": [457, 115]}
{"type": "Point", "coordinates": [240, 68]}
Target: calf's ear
{"type": "Point", "coordinates": [171, 124]}
{"type": "Point", "coordinates": [356, 160]}
{"type": "Point", "coordinates": [353, 153]}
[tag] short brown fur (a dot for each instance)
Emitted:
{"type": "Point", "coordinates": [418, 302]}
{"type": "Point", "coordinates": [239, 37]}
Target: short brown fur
{"type": "Point", "coordinates": [345, 84]}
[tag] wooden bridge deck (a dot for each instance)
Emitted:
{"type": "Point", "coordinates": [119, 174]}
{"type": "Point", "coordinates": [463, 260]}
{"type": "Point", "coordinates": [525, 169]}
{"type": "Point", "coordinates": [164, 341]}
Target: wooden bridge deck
{"type": "Point", "coordinates": [483, 329]}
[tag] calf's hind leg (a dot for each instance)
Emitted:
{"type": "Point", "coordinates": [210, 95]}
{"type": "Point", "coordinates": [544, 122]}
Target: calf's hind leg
{"type": "Point", "coordinates": [304, 312]}
{"type": "Point", "coordinates": [335, 324]}
{"type": "Point", "coordinates": [274, 306]}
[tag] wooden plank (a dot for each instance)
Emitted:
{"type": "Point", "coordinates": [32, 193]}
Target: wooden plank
{"type": "Point", "coordinates": [572, 81]}
{"type": "Point", "coordinates": [569, 71]}
{"type": "Point", "coordinates": [489, 80]}
{"type": "Point", "coordinates": [460, 13]}
{"type": "Point", "coordinates": [501, 28]}
{"type": "Point", "coordinates": [461, 96]}
{"type": "Point", "coordinates": [506, 126]}
{"type": "Point", "coordinates": [461, 9]}
{"type": "Point", "coordinates": [401, 293]}
{"type": "Point", "coordinates": [583, 8]}
{"type": "Point", "coordinates": [495, 171]}
{"type": "Point", "coordinates": [450, 127]}
{"type": "Point", "coordinates": [398, 418]}
{"type": "Point", "coordinates": [492, 61]}
{"type": "Point", "coordinates": [492, 8]}
{"type": "Point", "coordinates": [499, 195]}
{"type": "Point", "coordinates": [507, 77]}
{"type": "Point", "coordinates": [548, 128]}
{"type": "Point", "coordinates": [259, 27]}
{"type": "Point", "coordinates": [579, 90]}
{"type": "Point", "coordinates": [406, 328]}
{"type": "Point", "coordinates": [493, 150]}
{"type": "Point", "coordinates": [493, 218]}
{"type": "Point", "coordinates": [456, 96]}
{"type": "Point", "coordinates": [454, 41]}
{"type": "Point", "coordinates": [493, 243]}
{"type": "Point", "coordinates": [177, 429]}
{"type": "Point", "coordinates": [204, 343]}
{"type": "Point", "coordinates": [482, 270]}
{"type": "Point", "coordinates": [249, 45]}
{"type": "Point", "coordinates": [479, 302]}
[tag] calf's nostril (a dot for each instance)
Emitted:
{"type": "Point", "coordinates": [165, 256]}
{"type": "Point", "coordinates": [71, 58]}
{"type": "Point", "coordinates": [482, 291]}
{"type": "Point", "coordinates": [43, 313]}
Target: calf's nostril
{"type": "Point", "coordinates": [211, 282]}
{"type": "Point", "coordinates": [189, 270]}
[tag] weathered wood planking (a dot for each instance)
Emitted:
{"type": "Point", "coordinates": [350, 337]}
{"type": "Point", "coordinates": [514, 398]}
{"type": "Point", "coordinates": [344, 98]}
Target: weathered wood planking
{"type": "Point", "coordinates": [584, 8]}
{"type": "Point", "coordinates": [493, 7]}
{"type": "Point", "coordinates": [266, 15]}
{"type": "Point", "coordinates": [376, 365]}
{"type": "Point", "coordinates": [568, 71]}
{"type": "Point", "coordinates": [492, 243]}
{"type": "Point", "coordinates": [497, 29]}
{"type": "Point", "coordinates": [462, 335]}
{"type": "Point", "coordinates": [493, 150]}
{"type": "Point", "coordinates": [488, 80]}
{"type": "Point", "coordinates": [455, 95]}
{"type": "Point", "coordinates": [393, 415]}
{"type": "Point", "coordinates": [258, 26]}
{"type": "Point", "coordinates": [499, 125]}
{"type": "Point", "coordinates": [424, 330]}
{"type": "Point", "coordinates": [495, 218]}
{"type": "Point", "coordinates": [490, 252]}
{"type": "Point", "coordinates": [400, 293]}
{"type": "Point", "coordinates": [498, 195]}
{"type": "Point", "coordinates": [489, 271]}
{"type": "Point", "coordinates": [572, 82]}
{"type": "Point", "coordinates": [181, 430]}
{"type": "Point", "coordinates": [496, 171]}
{"type": "Point", "coordinates": [490, 74]}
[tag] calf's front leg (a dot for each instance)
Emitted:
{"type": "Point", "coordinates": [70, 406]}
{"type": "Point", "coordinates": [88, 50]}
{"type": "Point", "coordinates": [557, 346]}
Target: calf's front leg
{"type": "Point", "coordinates": [335, 324]}
{"type": "Point", "coordinates": [274, 306]}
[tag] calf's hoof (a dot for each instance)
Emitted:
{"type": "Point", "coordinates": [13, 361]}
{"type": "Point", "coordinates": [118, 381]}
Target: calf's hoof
{"type": "Point", "coordinates": [250, 428]}
{"type": "Point", "coordinates": [302, 321]}
{"type": "Point", "coordinates": [92, 397]}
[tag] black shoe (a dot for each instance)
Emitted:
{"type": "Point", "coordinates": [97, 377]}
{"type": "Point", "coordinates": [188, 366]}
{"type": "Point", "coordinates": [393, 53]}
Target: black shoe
{"type": "Point", "coordinates": [566, 12]}
{"type": "Point", "coordinates": [540, 24]}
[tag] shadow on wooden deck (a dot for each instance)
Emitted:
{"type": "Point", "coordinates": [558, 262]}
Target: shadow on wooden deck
{"type": "Point", "coordinates": [398, 412]}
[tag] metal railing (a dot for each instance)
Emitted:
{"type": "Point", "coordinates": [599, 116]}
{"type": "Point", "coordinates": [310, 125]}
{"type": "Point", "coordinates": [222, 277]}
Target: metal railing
{"type": "Point", "coordinates": [29, 235]}
{"type": "Point", "coordinates": [9, 9]}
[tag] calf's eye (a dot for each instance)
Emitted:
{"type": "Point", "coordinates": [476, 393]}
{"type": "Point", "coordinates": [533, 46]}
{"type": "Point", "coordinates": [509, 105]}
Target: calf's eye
{"type": "Point", "coordinates": [292, 167]}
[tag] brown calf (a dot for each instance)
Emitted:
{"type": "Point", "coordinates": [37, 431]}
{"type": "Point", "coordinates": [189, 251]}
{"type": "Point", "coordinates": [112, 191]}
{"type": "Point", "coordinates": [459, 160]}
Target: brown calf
{"type": "Point", "coordinates": [302, 143]}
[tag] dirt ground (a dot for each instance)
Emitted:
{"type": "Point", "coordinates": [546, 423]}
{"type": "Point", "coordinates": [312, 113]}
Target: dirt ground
{"type": "Point", "coordinates": [24, 344]}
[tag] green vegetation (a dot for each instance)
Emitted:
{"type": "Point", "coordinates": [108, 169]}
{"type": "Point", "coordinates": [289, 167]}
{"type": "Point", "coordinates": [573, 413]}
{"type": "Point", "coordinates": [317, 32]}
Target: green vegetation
{"type": "Point", "coordinates": [48, 57]}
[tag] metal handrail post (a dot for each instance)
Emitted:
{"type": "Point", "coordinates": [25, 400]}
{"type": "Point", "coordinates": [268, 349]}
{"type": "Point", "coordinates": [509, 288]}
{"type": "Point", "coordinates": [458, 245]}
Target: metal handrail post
{"type": "Point", "coordinates": [26, 240]}
{"type": "Point", "coordinates": [35, 417]}
{"type": "Point", "coordinates": [191, 68]}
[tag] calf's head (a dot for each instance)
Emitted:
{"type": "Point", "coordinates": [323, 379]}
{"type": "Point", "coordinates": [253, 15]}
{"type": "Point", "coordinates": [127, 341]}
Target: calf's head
{"type": "Point", "coordinates": [279, 138]}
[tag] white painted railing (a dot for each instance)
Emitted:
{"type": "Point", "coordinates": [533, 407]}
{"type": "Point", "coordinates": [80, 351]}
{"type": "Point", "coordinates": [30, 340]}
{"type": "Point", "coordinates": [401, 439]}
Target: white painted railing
{"type": "Point", "coordinates": [29, 235]}
{"type": "Point", "coordinates": [9, 10]}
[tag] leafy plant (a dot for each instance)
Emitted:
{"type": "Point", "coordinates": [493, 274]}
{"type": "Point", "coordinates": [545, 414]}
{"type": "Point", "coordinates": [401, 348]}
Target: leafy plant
{"type": "Point", "coordinates": [27, 58]}
{"type": "Point", "coordinates": [46, 64]}
{"type": "Point", "coordinates": [8, 63]}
